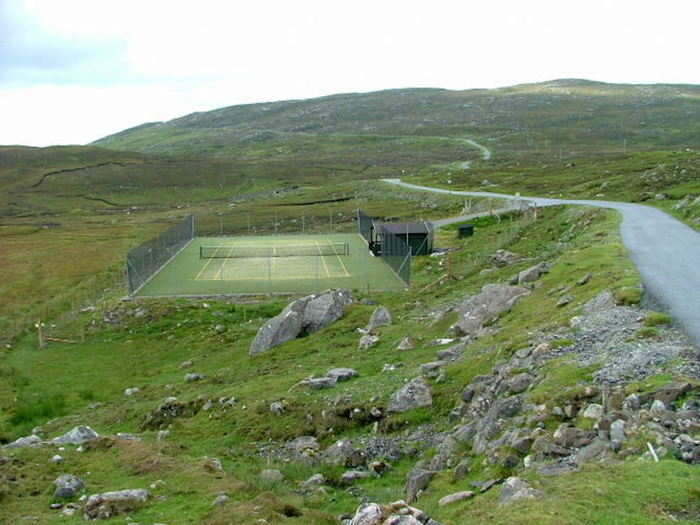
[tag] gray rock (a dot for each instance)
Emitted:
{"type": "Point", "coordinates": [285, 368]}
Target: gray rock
{"type": "Point", "coordinates": [533, 273]}
{"type": "Point", "coordinates": [515, 489]}
{"type": "Point", "coordinates": [617, 431]}
{"type": "Point", "coordinates": [504, 258]}
{"type": "Point", "coordinates": [593, 411]}
{"type": "Point", "coordinates": [519, 383]}
{"type": "Point", "coordinates": [343, 453]}
{"type": "Point", "coordinates": [351, 476]}
{"type": "Point", "coordinates": [187, 364]}
{"type": "Point", "coordinates": [219, 328]}
{"type": "Point", "coordinates": [418, 481]}
{"type": "Point", "coordinates": [132, 391]}
{"type": "Point", "coordinates": [367, 514]}
{"type": "Point", "coordinates": [564, 300]}
{"type": "Point", "coordinates": [632, 403]}
{"type": "Point", "coordinates": [303, 316]}
{"type": "Point", "coordinates": [367, 341]}
{"type": "Point", "coordinates": [108, 504]}
{"type": "Point", "coordinates": [76, 436]}
{"type": "Point", "coordinates": [380, 317]}
{"type": "Point", "coordinates": [406, 344]}
{"type": "Point", "coordinates": [315, 480]}
{"type": "Point", "coordinates": [271, 475]}
{"type": "Point", "coordinates": [432, 369]}
{"type": "Point", "coordinates": [414, 394]}
{"type": "Point", "coordinates": [191, 378]}
{"type": "Point", "coordinates": [462, 469]}
{"type": "Point", "coordinates": [486, 306]}
{"type": "Point", "coordinates": [67, 486]}
{"type": "Point", "coordinates": [318, 383]}
{"type": "Point", "coordinates": [598, 449]}
{"type": "Point", "coordinates": [220, 500]}
{"type": "Point", "coordinates": [457, 496]}
{"type": "Point", "coordinates": [27, 441]}
{"type": "Point", "coordinates": [658, 408]}
{"type": "Point", "coordinates": [342, 374]}
{"type": "Point", "coordinates": [56, 459]}
{"type": "Point", "coordinates": [277, 407]}
{"type": "Point", "coordinates": [303, 447]}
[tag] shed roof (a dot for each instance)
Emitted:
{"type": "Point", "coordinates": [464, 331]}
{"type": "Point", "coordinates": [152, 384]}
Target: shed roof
{"type": "Point", "coordinates": [399, 228]}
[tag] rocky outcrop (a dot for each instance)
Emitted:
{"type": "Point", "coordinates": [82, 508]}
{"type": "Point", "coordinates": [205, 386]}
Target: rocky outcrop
{"type": "Point", "coordinates": [414, 394]}
{"type": "Point", "coordinates": [485, 307]}
{"type": "Point", "coordinates": [303, 316]}
{"type": "Point", "coordinates": [108, 504]}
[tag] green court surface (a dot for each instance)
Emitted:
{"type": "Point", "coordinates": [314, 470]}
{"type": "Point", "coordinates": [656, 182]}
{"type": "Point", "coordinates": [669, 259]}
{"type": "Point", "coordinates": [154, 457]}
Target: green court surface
{"type": "Point", "coordinates": [220, 273]}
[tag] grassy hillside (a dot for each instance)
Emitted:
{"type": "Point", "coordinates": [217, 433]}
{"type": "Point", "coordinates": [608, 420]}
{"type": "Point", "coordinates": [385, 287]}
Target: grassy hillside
{"type": "Point", "coordinates": [554, 117]}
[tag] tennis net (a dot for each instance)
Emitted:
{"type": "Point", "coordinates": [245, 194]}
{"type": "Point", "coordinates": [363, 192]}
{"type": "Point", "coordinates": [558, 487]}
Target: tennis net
{"type": "Point", "coordinates": [297, 250]}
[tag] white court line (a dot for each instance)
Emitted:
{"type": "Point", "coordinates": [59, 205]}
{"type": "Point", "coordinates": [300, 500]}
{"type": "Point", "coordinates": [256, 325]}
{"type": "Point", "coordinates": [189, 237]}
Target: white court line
{"type": "Point", "coordinates": [205, 266]}
{"type": "Point", "coordinates": [323, 259]}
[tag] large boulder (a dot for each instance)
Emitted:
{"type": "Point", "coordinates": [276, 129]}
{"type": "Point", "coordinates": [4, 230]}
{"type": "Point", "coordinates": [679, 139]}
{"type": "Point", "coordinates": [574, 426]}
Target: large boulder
{"type": "Point", "coordinates": [414, 394]}
{"type": "Point", "coordinates": [303, 316]}
{"type": "Point", "coordinates": [486, 306]}
{"type": "Point", "coordinates": [108, 504]}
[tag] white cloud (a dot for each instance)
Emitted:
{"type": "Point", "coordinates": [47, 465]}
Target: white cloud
{"type": "Point", "coordinates": [99, 67]}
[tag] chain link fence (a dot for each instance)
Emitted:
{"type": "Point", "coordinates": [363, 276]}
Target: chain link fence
{"type": "Point", "coordinates": [146, 259]}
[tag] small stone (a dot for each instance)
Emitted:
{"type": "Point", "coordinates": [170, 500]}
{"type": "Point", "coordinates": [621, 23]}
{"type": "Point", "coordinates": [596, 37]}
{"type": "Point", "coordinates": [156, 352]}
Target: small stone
{"type": "Point", "coordinates": [272, 475]}
{"type": "Point", "coordinates": [187, 364]}
{"type": "Point", "coordinates": [367, 341]}
{"type": "Point", "coordinates": [406, 344]}
{"type": "Point", "coordinates": [316, 479]}
{"type": "Point", "coordinates": [584, 280]}
{"type": "Point", "coordinates": [277, 407]}
{"type": "Point", "coordinates": [515, 489]}
{"type": "Point", "coordinates": [564, 301]}
{"type": "Point", "coordinates": [219, 328]}
{"type": "Point", "coordinates": [132, 391]}
{"type": "Point", "coordinates": [342, 374]}
{"type": "Point", "coordinates": [457, 496]}
{"type": "Point", "coordinates": [56, 459]}
{"type": "Point", "coordinates": [351, 476]}
{"type": "Point", "coordinates": [221, 499]}
{"type": "Point", "coordinates": [213, 465]}
{"type": "Point", "coordinates": [658, 408]}
{"type": "Point", "coordinates": [162, 435]}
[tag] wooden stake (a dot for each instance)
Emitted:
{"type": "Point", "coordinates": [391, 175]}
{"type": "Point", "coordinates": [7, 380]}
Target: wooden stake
{"type": "Point", "coordinates": [40, 334]}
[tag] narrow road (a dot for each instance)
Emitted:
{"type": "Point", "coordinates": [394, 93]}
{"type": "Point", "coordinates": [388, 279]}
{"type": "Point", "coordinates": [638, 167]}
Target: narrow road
{"type": "Point", "coordinates": [665, 251]}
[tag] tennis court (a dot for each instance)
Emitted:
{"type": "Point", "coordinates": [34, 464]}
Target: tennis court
{"type": "Point", "coordinates": [272, 264]}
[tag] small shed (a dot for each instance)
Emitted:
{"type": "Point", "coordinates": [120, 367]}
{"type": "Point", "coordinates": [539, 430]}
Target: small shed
{"type": "Point", "coordinates": [417, 235]}
{"type": "Point", "coordinates": [465, 230]}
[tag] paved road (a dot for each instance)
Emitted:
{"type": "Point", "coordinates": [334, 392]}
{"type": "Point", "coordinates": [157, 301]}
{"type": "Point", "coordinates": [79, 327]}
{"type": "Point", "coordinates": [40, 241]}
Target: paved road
{"type": "Point", "coordinates": [666, 252]}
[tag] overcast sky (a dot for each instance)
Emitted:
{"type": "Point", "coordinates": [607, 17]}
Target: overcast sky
{"type": "Point", "coordinates": [72, 71]}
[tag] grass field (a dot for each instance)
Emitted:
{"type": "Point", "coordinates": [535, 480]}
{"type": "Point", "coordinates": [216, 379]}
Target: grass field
{"type": "Point", "coordinates": [189, 274]}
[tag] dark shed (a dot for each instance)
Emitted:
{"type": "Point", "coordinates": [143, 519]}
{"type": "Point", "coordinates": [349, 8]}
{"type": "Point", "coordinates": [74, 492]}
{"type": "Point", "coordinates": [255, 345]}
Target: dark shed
{"type": "Point", "coordinates": [418, 235]}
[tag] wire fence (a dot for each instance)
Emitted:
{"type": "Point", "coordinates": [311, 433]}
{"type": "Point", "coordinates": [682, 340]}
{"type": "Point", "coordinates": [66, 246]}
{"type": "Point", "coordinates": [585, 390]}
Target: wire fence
{"type": "Point", "coordinates": [146, 259]}
{"type": "Point", "coordinates": [364, 225]}
{"type": "Point", "coordinates": [396, 253]}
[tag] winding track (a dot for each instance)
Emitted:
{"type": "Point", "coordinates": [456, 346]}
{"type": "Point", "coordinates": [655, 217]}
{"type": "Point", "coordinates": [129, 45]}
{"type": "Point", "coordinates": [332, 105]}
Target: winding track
{"type": "Point", "coordinates": [665, 251]}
